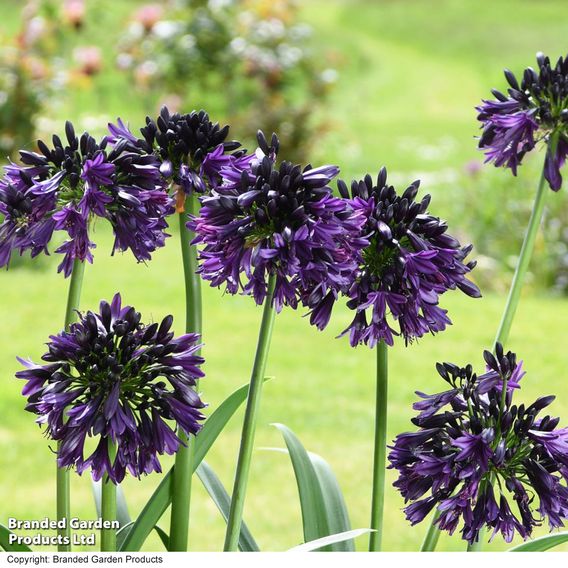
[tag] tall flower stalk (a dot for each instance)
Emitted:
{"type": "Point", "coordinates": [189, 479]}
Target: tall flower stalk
{"type": "Point", "coordinates": [108, 506]}
{"type": "Point", "coordinates": [63, 489]}
{"type": "Point", "coordinates": [191, 150]}
{"type": "Point", "coordinates": [183, 470]}
{"type": "Point", "coordinates": [64, 188]}
{"type": "Point", "coordinates": [123, 384]}
{"type": "Point", "coordinates": [538, 103]}
{"type": "Point", "coordinates": [275, 232]}
{"type": "Point", "coordinates": [380, 448]}
{"type": "Point", "coordinates": [406, 262]}
{"type": "Point", "coordinates": [534, 109]}
{"type": "Point", "coordinates": [514, 296]}
{"type": "Point", "coordinates": [234, 520]}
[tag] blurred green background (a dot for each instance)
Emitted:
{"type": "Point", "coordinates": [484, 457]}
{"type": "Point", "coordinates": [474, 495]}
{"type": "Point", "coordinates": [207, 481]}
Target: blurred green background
{"type": "Point", "coordinates": [375, 82]}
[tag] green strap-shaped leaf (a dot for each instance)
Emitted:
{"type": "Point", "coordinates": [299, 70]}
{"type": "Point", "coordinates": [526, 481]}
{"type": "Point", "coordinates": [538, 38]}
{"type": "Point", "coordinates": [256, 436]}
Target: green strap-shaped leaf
{"type": "Point", "coordinates": [336, 510]}
{"type": "Point", "coordinates": [162, 496]}
{"type": "Point", "coordinates": [221, 498]}
{"type": "Point", "coordinates": [123, 533]}
{"type": "Point", "coordinates": [150, 515]}
{"type": "Point", "coordinates": [164, 537]}
{"type": "Point", "coordinates": [314, 514]}
{"type": "Point", "coordinates": [332, 539]}
{"type": "Point", "coordinates": [542, 543]}
{"type": "Point", "coordinates": [11, 547]}
{"type": "Point", "coordinates": [122, 515]}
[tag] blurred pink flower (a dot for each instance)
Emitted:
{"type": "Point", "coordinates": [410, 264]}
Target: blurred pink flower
{"type": "Point", "coordinates": [89, 59]}
{"type": "Point", "coordinates": [74, 12]}
{"type": "Point", "coordinates": [149, 15]}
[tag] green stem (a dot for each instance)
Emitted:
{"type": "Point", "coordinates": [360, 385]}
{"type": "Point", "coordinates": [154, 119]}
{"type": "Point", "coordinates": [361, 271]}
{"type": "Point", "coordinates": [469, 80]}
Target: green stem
{"type": "Point", "coordinates": [108, 506]}
{"type": "Point", "coordinates": [523, 263]}
{"type": "Point", "coordinates": [63, 491]}
{"type": "Point", "coordinates": [379, 459]}
{"type": "Point", "coordinates": [432, 536]}
{"type": "Point", "coordinates": [182, 473]}
{"type": "Point", "coordinates": [249, 426]}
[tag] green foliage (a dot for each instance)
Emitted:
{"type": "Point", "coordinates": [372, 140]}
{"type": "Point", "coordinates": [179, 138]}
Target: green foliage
{"type": "Point", "coordinates": [327, 540]}
{"type": "Point", "coordinates": [323, 507]}
{"type": "Point", "coordinates": [542, 544]}
{"type": "Point", "coordinates": [5, 542]}
{"type": "Point", "coordinates": [221, 498]}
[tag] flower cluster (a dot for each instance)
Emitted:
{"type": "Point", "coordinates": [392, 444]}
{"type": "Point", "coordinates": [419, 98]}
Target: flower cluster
{"type": "Point", "coordinates": [191, 148]}
{"type": "Point", "coordinates": [534, 109]}
{"type": "Point", "coordinates": [102, 379]}
{"type": "Point", "coordinates": [408, 262]}
{"type": "Point", "coordinates": [267, 219]}
{"type": "Point", "coordinates": [481, 459]}
{"type": "Point", "coordinates": [65, 187]}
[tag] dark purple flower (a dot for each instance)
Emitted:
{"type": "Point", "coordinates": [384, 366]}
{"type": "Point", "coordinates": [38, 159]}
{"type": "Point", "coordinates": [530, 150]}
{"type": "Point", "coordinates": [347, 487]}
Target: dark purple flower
{"type": "Point", "coordinates": [476, 452]}
{"type": "Point", "coordinates": [408, 260]}
{"type": "Point", "coordinates": [277, 219]}
{"type": "Point", "coordinates": [533, 109]}
{"type": "Point", "coordinates": [192, 149]}
{"type": "Point", "coordinates": [63, 188]}
{"type": "Point", "coordinates": [114, 378]}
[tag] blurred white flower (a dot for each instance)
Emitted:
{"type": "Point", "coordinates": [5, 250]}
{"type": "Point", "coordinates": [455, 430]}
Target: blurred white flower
{"type": "Point", "coordinates": [329, 76]}
{"type": "Point", "coordinates": [124, 60]}
{"type": "Point", "coordinates": [166, 29]}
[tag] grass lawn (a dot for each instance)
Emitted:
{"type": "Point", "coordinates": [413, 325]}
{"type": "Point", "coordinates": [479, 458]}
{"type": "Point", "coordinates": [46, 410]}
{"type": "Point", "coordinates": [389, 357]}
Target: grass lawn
{"type": "Point", "coordinates": [410, 75]}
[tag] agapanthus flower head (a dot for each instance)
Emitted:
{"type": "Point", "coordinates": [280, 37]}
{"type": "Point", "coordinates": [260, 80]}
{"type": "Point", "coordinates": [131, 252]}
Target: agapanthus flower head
{"type": "Point", "coordinates": [276, 219]}
{"type": "Point", "coordinates": [66, 186]}
{"type": "Point", "coordinates": [534, 109]}
{"type": "Point", "coordinates": [190, 147]}
{"type": "Point", "coordinates": [113, 382]}
{"type": "Point", "coordinates": [408, 262]}
{"type": "Point", "coordinates": [481, 460]}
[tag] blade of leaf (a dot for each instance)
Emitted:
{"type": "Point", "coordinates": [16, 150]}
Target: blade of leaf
{"type": "Point", "coordinates": [5, 542]}
{"type": "Point", "coordinates": [336, 510]}
{"type": "Point", "coordinates": [217, 421]}
{"type": "Point", "coordinates": [332, 539]}
{"type": "Point", "coordinates": [543, 543]}
{"type": "Point", "coordinates": [221, 498]}
{"type": "Point", "coordinates": [314, 517]}
{"type": "Point", "coordinates": [164, 537]}
{"type": "Point", "coordinates": [122, 515]}
{"type": "Point", "coordinates": [150, 515]}
{"type": "Point", "coordinates": [123, 533]}
{"type": "Point", "coordinates": [161, 498]}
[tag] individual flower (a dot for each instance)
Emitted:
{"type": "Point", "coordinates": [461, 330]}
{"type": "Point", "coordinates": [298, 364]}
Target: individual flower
{"type": "Point", "coordinates": [408, 262]}
{"type": "Point", "coordinates": [534, 109]}
{"type": "Point", "coordinates": [67, 186]}
{"type": "Point", "coordinates": [192, 149]}
{"type": "Point", "coordinates": [481, 460]}
{"type": "Point", "coordinates": [283, 220]}
{"type": "Point", "coordinates": [123, 383]}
